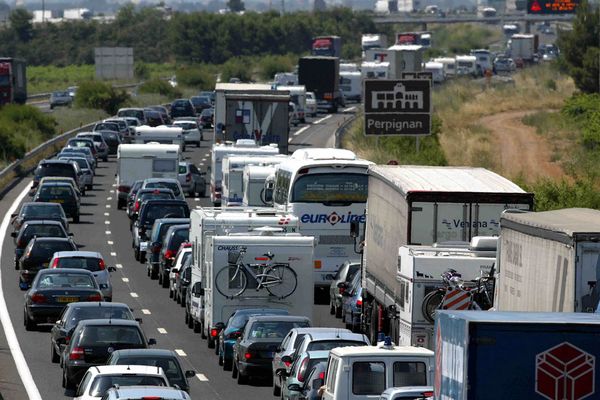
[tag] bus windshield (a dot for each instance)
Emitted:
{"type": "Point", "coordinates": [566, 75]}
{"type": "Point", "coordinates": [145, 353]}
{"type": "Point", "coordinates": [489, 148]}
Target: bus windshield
{"type": "Point", "coordinates": [330, 187]}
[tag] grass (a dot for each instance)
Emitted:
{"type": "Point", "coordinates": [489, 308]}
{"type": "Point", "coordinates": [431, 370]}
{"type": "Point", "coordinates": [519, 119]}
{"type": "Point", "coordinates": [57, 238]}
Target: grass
{"type": "Point", "coordinates": [71, 118]}
{"type": "Point", "coordinates": [454, 39]}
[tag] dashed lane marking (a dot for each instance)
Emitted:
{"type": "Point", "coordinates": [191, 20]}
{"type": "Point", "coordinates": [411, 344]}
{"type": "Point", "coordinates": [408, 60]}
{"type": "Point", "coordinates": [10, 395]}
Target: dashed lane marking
{"type": "Point", "coordinates": [107, 214]}
{"type": "Point", "coordinates": [299, 131]}
{"type": "Point", "coordinates": [107, 222]}
{"type": "Point", "coordinates": [202, 377]}
{"type": "Point", "coordinates": [109, 198]}
{"type": "Point", "coordinates": [133, 294]}
{"type": "Point", "coordinates": [146, 311]}
{"type": "Point", "coordinates": [322, 119]}
{"type": "Point", "coordinates": [180, 352]}
{"type": "Point", "coordinates": [113, 254]}
{"type": "Point", "coordinates": [119, 266]}
{"type": "Point", "coordinates": [111, 191]}
{"type": "Point", "coordinates": [162, 331]}
{"type": "Point", "coordinates": [108, 206]}
{"type": "Point", "coordinates": [110, 242]}
{"type": "Point", "coordinates": [125, 279]}
{"type": "Point", "coordinates": [197, 199]}
{"type": "Point", "coordinates": [108, 232]}
{"type": "Point", "coordinates": [349, 109]}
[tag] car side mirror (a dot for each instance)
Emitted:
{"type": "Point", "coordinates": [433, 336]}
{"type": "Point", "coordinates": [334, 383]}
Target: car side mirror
{"type": "Point", "coordinates": [287, 359]}
{"type": "Point", "coordinates": [13, 234]}
{"type": "Point", "coordinates": [13, 215]}
{"type": "Point", "coordinates": [190, 374]}
{"type": "Point", "coordinates": [294, 387]}
{"type": "Point", "coordinates": [111, 269]}
{"type": "Point", "coordinates": [151, 342]}
{"type": "Point", "coordinates": [139, 320]}
{"type": "Point", "coordinates": [354, 229]}
{"type": "Point", "coordinates": [70, 234]}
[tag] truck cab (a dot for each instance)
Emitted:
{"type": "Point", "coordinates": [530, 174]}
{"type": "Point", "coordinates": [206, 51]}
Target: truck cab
{"type": "Point", "coordinates": [361, 373]}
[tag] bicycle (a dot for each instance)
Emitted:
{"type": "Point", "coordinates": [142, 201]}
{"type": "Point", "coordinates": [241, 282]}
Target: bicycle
{"type": "Point", "coordinates": [277, 278]}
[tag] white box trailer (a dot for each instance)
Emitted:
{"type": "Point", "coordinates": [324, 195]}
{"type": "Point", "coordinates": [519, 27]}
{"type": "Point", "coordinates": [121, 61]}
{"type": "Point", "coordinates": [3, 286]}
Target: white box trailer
{"type": "Point", "coordinates": [351, 85]}
{"type": "Point", "coordinates": [141, 161]}
{"type": "Point", "coordinates": [402, 58]}
{"type": "Point", "coordinates": [549, 261]}
{"type": "Point", "coordinates": [208, 222]}
{"type": "Point", "coordinates": [159, 134]}
{"type": "Point", "coordinates": [254, 178]}
{"type": "Point", "coordinates": [523, 47]}
{"type": "Point", "coordinates": [419, 274]}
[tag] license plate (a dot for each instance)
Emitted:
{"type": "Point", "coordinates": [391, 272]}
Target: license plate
{"type": "Point", "coordinates": [57, 201]}
{"type": "Point", "coordinates": [66, 299]}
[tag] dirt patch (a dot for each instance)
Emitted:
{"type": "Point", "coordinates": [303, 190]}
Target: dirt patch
{"type": "Point", "coordinates": [520, 151]}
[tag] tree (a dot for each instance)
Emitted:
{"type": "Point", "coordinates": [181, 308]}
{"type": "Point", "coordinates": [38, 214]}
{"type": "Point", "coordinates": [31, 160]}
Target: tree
{"type": "Point", "coordinates": [236, 5]}
{"type": "Point", "coordinates": [319, 5]}
{"type": "Point", "coordinates": [580, 51]}
{"type": "Point", "coordinates": [20, 23]}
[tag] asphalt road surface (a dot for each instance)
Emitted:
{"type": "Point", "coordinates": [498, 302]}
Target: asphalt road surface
{"type": "Point", "coordinates": [105, 229]}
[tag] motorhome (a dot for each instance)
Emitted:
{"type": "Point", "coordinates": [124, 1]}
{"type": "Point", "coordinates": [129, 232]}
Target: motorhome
{"type": "Point", "coordinates": [437, 71]}
{"type": "Point", "coordinates": [351, 85]}
{"type": "Point", "coordinates": [254, 178]}
{"type": "Point", "coordinates": [159, 134]}
{"type": "Point", "coordinates": [466, 65]}
{"type": "Point", "coordinates": [449, 65]}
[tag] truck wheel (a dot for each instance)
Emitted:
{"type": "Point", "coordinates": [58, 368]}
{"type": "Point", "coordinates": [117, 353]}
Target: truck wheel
{"type": "Point", "coordinates": [190, 321]}
{"type": "Point", "coordinates": [338, 311]}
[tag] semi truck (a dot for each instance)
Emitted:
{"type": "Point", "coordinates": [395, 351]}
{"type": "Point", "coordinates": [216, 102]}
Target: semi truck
{"type": "Point", "coordinates": [516, 355]}
{"type": "Point", "coordinates": [523, 47]}
{"type": "Point", "coordinates": [423, 205]}
{"type": "Point", "coordinates": [321, 75]}
{"type": "Point", "coordinates": [414, 38]}
{"type": "Point", "coordinates": [13, 81]}
{"type": "Point", "coordinates": [329, 46]}
{"type": "Point", "coordinates": [373, 41]}
{"type": "Point", "coordinates": [549, 261]}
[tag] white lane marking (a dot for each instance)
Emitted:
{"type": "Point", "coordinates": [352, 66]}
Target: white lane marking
{"type": "Point", "coordinates": [110, 242]}
{"type": "Point", "coordinates": [299, 131]}
{"type": "Point", "coordinates": [197, 199]}
{"type": "Point", "coordinates": [108, 232]}
{"type": "Point", "coordinates": [349, 109]}
{"type": "Point", "coordinates": [9, 330]}
{"type": "Point", "coordinates": [108, 206]}
{"type": "Point", "coordinates": [162, 331]}
{"type": "Point", "coordinates": [200, 164]}
{"type": "Point", "coordinates": [113, 254]}
{"type": "Point", "coordinates": [202, 377]}
{"type": "Point", "coordinates": [204, 159]}
{"type": "Point", "coordinates": [180, 352]}
{"type": "Point", "coordinates": [109, 198]}
{"type": "Point", "coordinates": [119, 266]}
{"type": "Point", "coordinates": [322, 119]}
{"type": "Point", "coordinates": [107, 222]}
{"type": "Point", "coordinates": [133, 294]}
{"type": "Point", "coordinates": [114, 185]}
{"type": "Point", "coordinates": [107, 214]}
{"type": "Point", "coordinates": [125, 279]}
{"type": "Point", "coordinates": [146, 311]}
{"type": "Point", "coordinates": [111, 191]}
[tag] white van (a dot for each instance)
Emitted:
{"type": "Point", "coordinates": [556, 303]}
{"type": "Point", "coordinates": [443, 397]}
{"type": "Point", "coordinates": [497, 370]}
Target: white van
{"type": "Point", "coordinates": [466, 65]}
{"type": "Point", "coordinates": [160, 134]}
{"type": "Point", "coordinates": [141, 161]}
{"type": "Point", "coordinates": [298, 97]}
{"type": "Point", "coordinates": [254, 180]}
{"type": "Point", "coordinates": [351, 85]}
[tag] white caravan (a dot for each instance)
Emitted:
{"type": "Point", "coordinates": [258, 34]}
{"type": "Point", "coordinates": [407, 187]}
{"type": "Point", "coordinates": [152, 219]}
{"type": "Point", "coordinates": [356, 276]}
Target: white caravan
{"type": "Point", "coordinates": [253, 181]}
{"type": "Point", "coordinates": [159, 134]}
{"type": "Point", "coordinates": [484, 59]}
{"type": "Point", "coordinates": [141, 161]}
{"type": "Point", "coordinates": [449, 65]}
{"type": "Point", "coordinates": [466, 65]}
{"type": "Point", "coordinates": [298, 97]}
{"type": "Point", "coordinates": [285, 78]}
{"type": "Point", "coordinates": [437, 71]}
{"type": "Point", "coordinates": [351, 85]}
{"type": "Point", "coordinates": [221, 150]}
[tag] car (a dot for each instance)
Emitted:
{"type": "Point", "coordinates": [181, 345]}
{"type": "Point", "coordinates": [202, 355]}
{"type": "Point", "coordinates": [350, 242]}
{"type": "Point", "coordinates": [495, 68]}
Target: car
{"type": "Point", "coordinates": [154, 118]}
{"type": "Point", "coordinates": [65, 168]}
{"type": "Point", "coordinates": [61, 193]}
{"type": "Point", "coordinates": [60, 98]}
{"type": "Point", "coordinates": [329, 340]}
{"type": "Point", "coordinates": [168, 183]}
{"type": "Point", "coordinates": [145, 392]}
{"type": "Point", "coordinates": [83, 142]}
{"type": "Point", "coordinates": [79, 151]}
{"type": "Point", "coordinates": [207, 117]}
{"type": "Point", "coordinates": [87, 176]}
{"type": "Point", "coordinates": [339, 284]}
{"type": "Point", "coordinates": [299, 371]}
{"type": "Point", "coordinates": [210, 94]}
{"type": "Point", "coordinates": [138, 113]}
{"type": "Point", "coordinates": [201, 103]}
{"type": "Point", "coordinates": [90, 261]}
{"type": "Point", "coordinates": [112, 140]}
{"type": "Point", "coordinates": [72, 90]}
{"type": "Point", "coordinates": [408, 393]}
{"type": "Point", "coordinates": [98, 139]}
{"type": "Point", "coordinates": [122, 126]}
{"type": "Point", "coordinates": [191, 132]}
{"type": "Point", "coordinates": [182, 108]}
{"type": "Point", "coordinates": [254, 349]}
{"type": "Point", "coordinates": [149, 212]}
{"type": "Point", "coordinates": [182, 282]}
{"type": "Point", "coordinates": [311, 104]}
{"type": "Point", "coordinates": [352, 304]}
{"type": "Point", "coordinates": [96, 381]}
{"type": "Point", "coordinates": [315, 379]}
{"type": "Point", "coordinates": [132, 123]}
{"type": "Point", "coordinates": [92, 342]}
{"type": "Point", "coordinates": [143, 195]}
{"type": "Point", "coordinates": [190, 178]}
{"type": "Point", "coordinates": [282, 359]}
{"type": "Point", "coordinates": [164, 113]}
{"type": "Point", "coordinates": [36, 228]}
{"type": "Point", "coordinates": [183, 254]}
{"type": "Point", "coordinates": [59, 179]}
{"type": "Point", "coordinates": [37, 211]}
{"type": "Point", "coordinates": [504, 64]}
{"type": "Point", "coordinates": [165, 359]}
{"type": "Point", "coordinates": [37, 254]}
{"type": "Point", "coordinates": [159, 229]}
{"type": "Point", "coordinates": [132, 192]}
{"type": "Point", "coordinates": [174, 238]}
{"type": "Point", "coordinates": [63, 328]}
{"type": "Point", "coordinates": [52, 289]}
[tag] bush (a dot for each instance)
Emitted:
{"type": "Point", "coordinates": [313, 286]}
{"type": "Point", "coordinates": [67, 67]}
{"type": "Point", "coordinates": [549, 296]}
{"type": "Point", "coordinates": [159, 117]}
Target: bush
{"type": "Point", "coordinates": [161, 87]}
{"type": "Point", "coordinates": [556, 195]}
{"type": "Point", "coordinates": [141, 71]}
{"type": "Point", "coordinates": [21, 129]}
{"type": "Point", "coordinates": [550, 84]}
{"type": "Point", "coordinates": [270, 65]}
{"type": "Point", "coordinates": [237, 68]}
{"type": "Point", "coordinates": [199, 77]}
{"type": "Point", "coordinates": [95, 94]}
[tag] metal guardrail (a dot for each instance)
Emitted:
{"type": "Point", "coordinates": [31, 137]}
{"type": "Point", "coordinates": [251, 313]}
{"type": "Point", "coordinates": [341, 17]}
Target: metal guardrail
{"type": "Point", "coordinates": [343, 129]}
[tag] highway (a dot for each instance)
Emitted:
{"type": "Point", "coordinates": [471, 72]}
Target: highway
{"type": "Point", "coordinates": [105, 229]}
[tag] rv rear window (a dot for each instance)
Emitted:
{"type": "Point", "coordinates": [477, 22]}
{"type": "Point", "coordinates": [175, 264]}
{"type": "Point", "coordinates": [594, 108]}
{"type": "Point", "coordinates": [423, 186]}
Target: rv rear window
{"type": "Point", "coordinates": [164, 165]}
{"type": "Point", "coordinates": [368, 378]}
{"type": "Point", "coordinates": [410, 374]}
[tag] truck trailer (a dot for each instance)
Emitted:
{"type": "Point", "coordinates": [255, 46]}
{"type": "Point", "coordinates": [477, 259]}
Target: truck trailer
{"type": "Point", "coordinates": [549, 261]}
{"type": "Point", "coordinates": [321, 75]}
{"type": "Point", "coordinates": [13, 81]}
{"type": "Point", "coordinates": [401, 58]}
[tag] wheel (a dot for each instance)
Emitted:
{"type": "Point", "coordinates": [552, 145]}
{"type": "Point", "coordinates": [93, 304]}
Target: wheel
{"type": "Point", "coordinates": [431, 303]}
{"type": "Point", "coordinates": [216, 347]}
{"type": "Point", "coordinates": [282, 281]}
{"type": "Point", "coordinates": [142, 257]}
{"type": "Point", "coordinates": [210, 342]}
{"type": "Point", "coordinates": [136, 254]}
{"type": "Point", "coordinates": [165, 281]}
{"type": "Point", "coordinates": [76, 218]}
{"type": "Point", "coordinates": [190, 321]}
{"type": "Point", "coordinates": [331, 307]}
{"type": "Point", "coordinates": [53, 354]}
{"type": "Point", "coordinates": [241, 378]}
{"type": "Point", "coordinates": [196, 326]}
{"type": "Point", "coordinates": [67, 383]}
{"type": "Point", "coordinates": [105, 159]}
{"type": "Point", "coordinates": [276, 389]}
{"type": "Point", "coordinates": [373, 325]}
{"type": "Point", "coordinates": [338, 312]}
{"type": "Point", "coordinates": [227, 364]}
{"type": "Point", "coordinates": [234, 371]}
{"type": "Point", "coordinates": [187, 317]}
{"type": "Point", "coordinates": [231, 281]}
{"type": "Point", "coordinates": [30, 324]}
{"type": "Point", "coordinates": [120, 204]}
{"type": "Point", "coordinates": [199, 143]}
{"type": "Point", "coordinates": [220, 359]}
{"type": "Point", "coordinates": [148, 272]}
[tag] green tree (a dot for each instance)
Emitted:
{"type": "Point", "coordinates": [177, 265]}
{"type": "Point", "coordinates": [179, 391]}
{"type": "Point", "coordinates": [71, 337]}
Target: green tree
{"type": "Point", "coordinates": [236, 5]}
{"type": "Point", "coordinates": [20, 23]}
{"type": "Point", "coordinates": [580, 51]}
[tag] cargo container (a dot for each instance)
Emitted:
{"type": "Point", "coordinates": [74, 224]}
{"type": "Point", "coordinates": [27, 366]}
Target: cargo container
{"type": "Point", "coordinates": [321, 75]}
{"type": "Point", "coordinates": [13, 81]}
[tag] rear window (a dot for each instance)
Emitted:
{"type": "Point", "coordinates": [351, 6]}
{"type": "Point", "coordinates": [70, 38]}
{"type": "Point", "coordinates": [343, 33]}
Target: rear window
{"type": "Point", "coordinates": [158, 196]}
{"type": "Point", "coordinates": [104, 382]}
{"type": "Point", "coordinates": [169, 366]}
{"type": "Point", "coordinates": [155, 211]}
{"type": "Point", "coordinates": [164, 166]}
{"type": "Point", "coordinates": [88, 263]}
{"type": "Point", "coordinates": [55, 169]}
{"type": "Point", "coordinates": [332, 344]}
{"type": "Point", "coordinates": [55, 191]}
{"type": "Point", "coordinates": [47, 249]}
{"type": "Point", "coordinates": [168, 185]}
{"type": "Point", "coordinates": [80, 143]}
{"type": "Point", "coordinates": [104, 312]}
{"type": "Point", "coordinates": [410, 374]}
{"type": "Point", "coordinates": [42, 231]}
{"type": "Point", "coordinates": [66, 280]}
{"type": "Point", "coordinates": [42, 211]}
{"type": "Point", "coordinates": [275, 329]}
{"type": "Point", "coordinates": [368, 378]}
{"type": "Point", "coordinates": [179, 236]}
{"type": "Point", "coordinates": [115, 334]}
{"type": "Point", "coordinates": [82, 162]}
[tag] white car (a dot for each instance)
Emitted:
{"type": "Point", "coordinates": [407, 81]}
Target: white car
{"type": "Point", "coordinates": [145, 392]}
{"type": "Point", "coordinates": [174, 271]}
{"type": "Point", "coordinates": [97, 380]}
{"type": "Point", "coordinates": [191, 132]}
{"type": "Point", "coordinates": [311, 104]}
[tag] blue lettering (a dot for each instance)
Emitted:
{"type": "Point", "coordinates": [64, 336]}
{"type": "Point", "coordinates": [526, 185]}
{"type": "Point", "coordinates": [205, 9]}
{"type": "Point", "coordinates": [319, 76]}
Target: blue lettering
{"type": "Point", "coordinates": [322, 219]}
{"type": "Point", "coordinates": [333, 218]}
{"type": "Point", "coordinates": [305, 218]}
{"type": "Point", "coordinates": [228, 248]}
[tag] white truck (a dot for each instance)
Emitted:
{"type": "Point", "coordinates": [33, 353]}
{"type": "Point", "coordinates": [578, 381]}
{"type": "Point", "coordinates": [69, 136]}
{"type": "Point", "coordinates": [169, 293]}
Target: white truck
{"type": "Point", "coordinates": [523, 47]}
{"type": "Point", "coordinates": [298, 97]}
{"type": "Point", "coordinates": [375, 70]}
{"type": "Point", "coordinates": [437, 71]}
{"type": "Point", "coordinates": [422, 205]}
{"type": "Point", "coordinates": [221, 150]}
{"type": "Point", "coordinates": [141, 161]}
{"type": "Point", "coordinates": [402, 58]}
{"type": "Point", "coordinates": [549, 261]}
{"type": "Point", "coordinates": [159, 134]}
{"type": "Point", "coordinates": [419, 276]}
{"type": "Point", "coordinates": [351, 85]}
{"type": "Point", "coordinates": [364, 372]}
{"type": "Point", "coordinates": [253, 181]}
{"type": "Point", "coordinates": [205, 223]}
{"type": "Point", "coordinates": [371, 41]}
{"type": "Point", "coordinates": [485, 60]}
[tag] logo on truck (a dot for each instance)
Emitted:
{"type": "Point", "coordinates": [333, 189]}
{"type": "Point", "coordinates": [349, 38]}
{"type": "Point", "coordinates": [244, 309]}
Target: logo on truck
{"type": "Point", "coordinates": [459, 223]}
{"type": "Point", "coordinates": [333, 218]}
{"type": "Point", "coordinates": [565, 372]}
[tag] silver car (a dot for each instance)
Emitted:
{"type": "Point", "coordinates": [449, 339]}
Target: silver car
{"type": "Point", "coordinates": [60, 98]}
{"type": "Point", "coordinates": [190, 178]}
{"type": "Point", "coordinates": [339, 284]}
{"type": "Point", "coordinates": [99, 143]}
{"type": "Point", "coordinates": [89, 260]}
{"type": "Point", "coordinates": [168, 183]}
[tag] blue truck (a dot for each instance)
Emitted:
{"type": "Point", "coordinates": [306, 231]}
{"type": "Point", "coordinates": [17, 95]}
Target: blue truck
{"type": "Point", "coordinates": [516, 355]}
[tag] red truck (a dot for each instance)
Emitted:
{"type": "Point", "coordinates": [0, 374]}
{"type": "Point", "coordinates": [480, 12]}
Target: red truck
{"type": "Point", "coordinates": [13, 81]}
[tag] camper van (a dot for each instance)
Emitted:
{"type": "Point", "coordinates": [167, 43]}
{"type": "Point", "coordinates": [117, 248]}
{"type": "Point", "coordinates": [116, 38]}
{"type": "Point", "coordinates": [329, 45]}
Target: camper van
{"type": "Point", "coordinates": [254, 178]}
{"type": "Point", "coordinates": [351, 85]}
{"type": "Point", "coordinates": [437, 71]}
{"type": "Point", "coordinates": [449, 65]}
{"type": "Point", "coordinates": [159, 134]}
{"type": "Point", "coordinates": [466, 65]}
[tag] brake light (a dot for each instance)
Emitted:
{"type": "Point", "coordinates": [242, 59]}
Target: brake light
{"type": "Point", "coordinates": [136, 206]}
{"type": "Point", "coordinates": [427, 394]}
{"type": "Point", "coordinates": [123, 188]}
{"type": "Point", "coordinates": [359, 303]}
{"type": "Point", "coordinates": [214, 332]}
{"type": "Point", "coordinates": [322, 375]}
{"type": "Point", "coordinates": [234, 335]}
{"type": "Point", "coordinates": [261, 258]}
{"type": "Point", "coordinates": [76, 354]}
{"type": "Point", "coordinates": [186, 245]}
{"type": "Point", "coordinates": [188, 177]}
{"type": "Point", "coordinates": [169, 254]}
{"type": "Point", "coordinates": [287, 363]}
{"type": "Point", "coordinates": [95, 297]}
{"type": "Point", "coordinates": [317, 264]}
{"type": "Point", "coordinates": [247, 356]}
{"type": "Point", "coordinates": [302, 370]}
{"type": "Point", "coordinates": [55, 263]}
{"type": "Point", "coordinates": [38, 298]}
{"type": "Point", "coordinates": [151, 398]}
{"type": "Point", "coordinates": [101, 264]}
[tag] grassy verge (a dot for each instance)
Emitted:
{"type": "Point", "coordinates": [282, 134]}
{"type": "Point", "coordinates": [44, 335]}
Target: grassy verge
{"type": "Point", "coordinates": [461, 38]}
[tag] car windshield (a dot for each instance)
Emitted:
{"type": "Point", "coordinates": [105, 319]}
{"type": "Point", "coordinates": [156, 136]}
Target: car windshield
{"type": "Point", "coordinates": [332, 344]}
{"type": "Point", "coordinates": [102, 335]}
{"type": "Point", "coordinates": [104, 382]}
{"type": "Point", "coordinates": [45, 250]}
{"type": "Point", "coordinates": [169, 365]}
{"type": "Point", "coordinates": [155, 211]}
{"type": "Point", "coordinates": [42, 211]}
{"type": "Point", "coordinates": [66, 280]}
{"type": "Point", "coordinates": [42, 231]}
{"type": "Point", "coordinates": [92, 264]}
{"type": "Point", "coordinates": [169, 185]}
{"type": "Point", "coordinates": [179, 236]}
{"type": "Point", "coordinates": [103, 312]}
{"type": "Point", "coordinates": [106, 126]}
{"type": "Point", "coordinates": [274, 329]}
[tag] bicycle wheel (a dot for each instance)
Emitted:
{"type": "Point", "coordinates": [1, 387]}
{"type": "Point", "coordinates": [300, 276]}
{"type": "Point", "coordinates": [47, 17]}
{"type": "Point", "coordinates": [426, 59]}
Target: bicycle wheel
{"type": "Point", "coordinates": [431, 303]}
{"type": "Point", "coordinates": [231, 281]}
{"type": "Point", "coordinates": [281, 281]}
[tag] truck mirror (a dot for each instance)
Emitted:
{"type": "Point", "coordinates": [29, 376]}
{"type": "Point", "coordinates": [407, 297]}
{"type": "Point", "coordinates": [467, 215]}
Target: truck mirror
{"type": "Point", "coordinates": [354, 229]}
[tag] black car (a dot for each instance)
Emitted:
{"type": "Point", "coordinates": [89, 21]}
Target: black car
{"type": "Point", "coordinates": [37, 211]}
{"type": "Point", "coordinates": [80, 311]}
{"type": "Point", "coordinates": [38, 254]}
{"type": "Point", "coordinates": [182, 108]}
{"type": "Point", "coordinates": [163, 113]}
{"type": "Point", "coordinates": [53, 289]}
{"type": "Point", "coordinates": [206, 117]}
{"type": "Point", "coordinates": [56, 168]}
{"type": "Point", "coordinates": [36, 228]}
{"type": "Point", "coordinates": [112, 139]}
{"type": "Point", "coordinates": [182, 281]}
{"type": "Point", "coordinates": [159, 230]}
{"type": "Point", "coordinates": [200, 103]}
{"type": "Point", "coordinates": [175, 236]}
{"type": "Point", "coordinates": [166, 359]}
{"type": "Point", "coordinates": [107, 126]}
{"type": "Point", "coordinates": [154, 118]}
{"type": "Point", "coordinates": [149, 194]}
{"type": "Point", "coordinates": [254, 350]}
{"type": "Point", "coordinates": [61, 193]}
{"type": "Point", "coordinates": [92, 343]}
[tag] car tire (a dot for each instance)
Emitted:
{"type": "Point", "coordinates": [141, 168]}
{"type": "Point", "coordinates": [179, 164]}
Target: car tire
{"type": "Point", "coordinates": [105, 159]}
{"type": "Point", "coordinates": [199, 143]}
{"type": "Point", "coordinates": [171, 293]}
{"type": "Point", "coordinates": [89, 187]}
{"type": "Point", "coordinates": [30, 324]}
{"type": "Point", "coordinates": [53, 354]}
{"type": "Point", "coordinates": [216, 348]}
{"type": "Point", "coordinates": [210, 343]}
{"type": "Point", "coordinates": [276, 389]}
{"type": "Point", "coordinates": [234, 371]}
{"type": "Point", "coordinates": [181, 302]}
{"type": "Point", "coordinates": [338, 312]}
{"type": "Point", "coordinates": [196, 326]}
{"type": "Point", "coordinates": [165, 282]}
{"type": "Point", "coordinates": [142, 257]}
{"type": "Point", "coordinates": [136, 254]}
{"type": "Point", "coordinates": [241, 378]}
{"type": "Point", "coordinates": [331, 307]}
{"type": "Point", "coordinates": [202, 331]}
{"type": "Point", "coordinates": [227, 364]}
{"type": "Point", "coordinates": [120, 204]}
{"type": "Point", "coordinates": [190, 321]}
{"type": "Point", "coordinates": [220, 360]}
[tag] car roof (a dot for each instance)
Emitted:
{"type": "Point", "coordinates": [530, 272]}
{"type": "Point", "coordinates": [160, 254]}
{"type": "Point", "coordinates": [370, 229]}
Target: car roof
{"type": "Point", "coordinates": [55, 161]}
{"type": "Point", "coordinates": [281, 318]}
{"type": "Point", "coordinates": [149, 180]}
{"type": "Point", "coordinates": [124, 392]}
{"type": "Point", "coordinates": [105, 321]}
{"type": "Point", "coordinates": [42, 222]}
{"type": "Point", "coordinates": [52, 239]}
{"type": "Point", "coordinates": [145, 352]}
{"type": "Point", "coordinates": [341, 334]}
{"type": "Point", "coordinates": [57, 184]}
{"type": "Point", "coordinates": [40, 204]}
{"type": "Point", "coordinates": [307, 330]}
{"type": "Point", "coordinates": [128, 369]}
{"type": "Point", "coordinates": [78, 253]}
{"type": "Point", "coordinates": [175, 221]}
